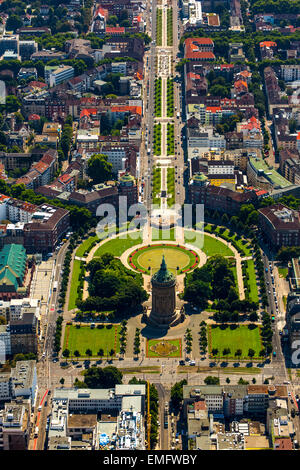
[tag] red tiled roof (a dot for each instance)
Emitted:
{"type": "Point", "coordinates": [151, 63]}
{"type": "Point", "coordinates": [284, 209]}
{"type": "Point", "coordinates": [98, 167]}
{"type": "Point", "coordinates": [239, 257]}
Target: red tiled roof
{"type": "Point", "coordinates": [226, 66]}
{"type": "Point", "coordinates": [65, 178]}
{"type": "Point", "coordinates": [245, 73]}
{"type": "Point", "coordinates": [36, 84]}
{"type": "Point", "coordinates": [213, 109]}
{"type": "Point", "coordinates": [268, 44]}
{"type": "Point", "coordinates": [193, 48]}
{"type": "Point", "coordinates": [193, 75]}
{"type": "Point", "coordinates": [87, 112]}
{"type": "Point", "coordinates": [124, 109]}
{"type": "Point", "coordinates": [115, 29]}
{"type": "Point", "coordinates": [41, 167]}
{"type": "Point", "coordinates": [240, 83]}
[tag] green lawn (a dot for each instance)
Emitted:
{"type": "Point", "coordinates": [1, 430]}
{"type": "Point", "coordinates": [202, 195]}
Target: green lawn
{"type": "Point", "coordinates": [117, 246]}
{"type": "Point", "coordinates": [283, 272]}
{"type": "Point", "coordinates": [74, 284]}
{"type": "Point", "coordinates": [175, 257]}
{"type": "Point", "coordinates": [252, 281]}
{"type": "Point", "coordinates": [239, 338]}
{"type": "Point", "coordinates": [85, 246]}
{"type": "Point", "coordinates": [211, 245]}
{"type": "Point", "coordinates": [158, 234]}
{"type": "Point", "coordinates": [241, 244]}
{"type": "Point", "coordinates": [84, 338]}
{"type": "Point", "coordinates": [175, 343]}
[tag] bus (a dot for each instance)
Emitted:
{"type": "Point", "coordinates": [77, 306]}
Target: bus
{"type": "Point", "coordinates": [55, 284]}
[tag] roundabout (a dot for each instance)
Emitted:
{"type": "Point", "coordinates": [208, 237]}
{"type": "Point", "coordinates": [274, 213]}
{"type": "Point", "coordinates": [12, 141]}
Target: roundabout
{"type": "Point", "coordinates": [179, 259]}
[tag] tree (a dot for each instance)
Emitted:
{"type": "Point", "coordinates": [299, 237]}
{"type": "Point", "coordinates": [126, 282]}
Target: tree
{"type": "Point", "coordinates": [242, 381]}
{"type": "Point", "coordinates": [251, 353]}
{"type": "Point", "coordinates": [107, 377]}
{"type": "Point", "coordinates": [238, 353]}
{"type": "Point", "coordinates": [76, 353]}
{"type": "Point", "coordinates": [12, 104]}
{"type": "Point", "coordinates": [210, 380]}
{"type": "Point", "coordinates": [62, 381]}
{"type": "Point", "coordinates": [99, 169]}
{"type": "Point", "coordinates": [226, 351]}
{"type": "Point", "coordinates": [177, 393]}
{"type": "Point", "coordinates": [215, 352]}
{"type": "Point", "coordinates": [89, 352]}
{"type": "Point", "coordinates": [14, 22]}
{"type": "Point", "coordinates": [66, 353]}
{"type": "Point", "coordinates": [228, 380]}
{"type": "Point", "coordinates": [100, 352]}
{"type": "Point", "coordinates": [253, 316]}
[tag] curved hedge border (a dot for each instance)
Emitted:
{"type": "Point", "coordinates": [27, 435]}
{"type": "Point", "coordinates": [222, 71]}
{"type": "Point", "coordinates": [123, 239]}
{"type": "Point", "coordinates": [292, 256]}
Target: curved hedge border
{"type": "Point", "coordinates": [194, 257]}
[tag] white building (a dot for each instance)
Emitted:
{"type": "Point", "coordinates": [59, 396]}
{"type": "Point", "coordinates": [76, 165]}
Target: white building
{"type": "Point", "coordinates": [19, 211]}
{"type": "Point", "coordinates": [290, 73]}
{"type": "Point", "coordinates": [13, 309]}
{"type": "Point", "coordinates": [5, 344]}
{"type": "Point", "coordinates": [60, 75]}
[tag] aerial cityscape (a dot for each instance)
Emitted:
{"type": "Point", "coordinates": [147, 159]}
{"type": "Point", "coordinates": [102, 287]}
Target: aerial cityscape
{"type": "Point", "coordinates": [149, 226]}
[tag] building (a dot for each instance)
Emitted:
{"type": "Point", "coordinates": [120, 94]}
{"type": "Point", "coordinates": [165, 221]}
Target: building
{"type": "Point", "coordinates": [128, 187]}
{"type": "Point", "coordinates": [203, 139]}
{"type": "Point", "coordinates": [236, 52]}
{"type": "Point", "coordinates": [24, 381]}
{"type": "Point", "coordinates": [280, 225]}
{"type": "Point", "coordinates": [24, 334]}
{"type": "Point", "coordinates": [46, 229]}
{"type": "Point", "coordinates": [163, 313]}
{"type": "Point", "coordinates": [218, 198]}
{"type": "Point", "coordinates": [15, 424]}
{"type": "Point", "coordinates": [12, 270]}
{"type": "Point", "coordinates": [262, 176]}
{"type": "Point", "coordinates": [55, 76]}
{"type": "Point", "coordinates": [290, 73]}
{"type": "Point", "coordinates": [199, 49]}
{"type": "Point", "coordinates": [99, 400]}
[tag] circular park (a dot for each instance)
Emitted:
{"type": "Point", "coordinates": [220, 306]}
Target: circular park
{"type": "Point", "coordinates": [179, 259]}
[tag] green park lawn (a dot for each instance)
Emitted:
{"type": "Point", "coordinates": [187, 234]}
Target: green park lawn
{"type": "Point", "coordinates": [283, 272]}
{"type": "Point", "coordinates": [211, 245]}
{"type": "Point", "coordinates": [85, 246]}
{"type": "Point", "coordinates": [84, 338]}
{"type": "Point", "coordinates": [175, 257]}
{"type": "Point", "coordinates": [118, 245]}
{"type": "Point", "coordinates": [74, 284]}
{"type": "Point", "coordinates": [161, 234]}
{"type": "Point", "coordinates": [252, 281]}
{"type": "Point", "coordinates": [239, 338]}
{"type": "Point", "coordinates": [243, 245]}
